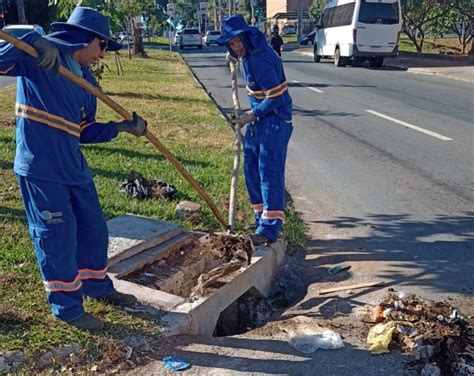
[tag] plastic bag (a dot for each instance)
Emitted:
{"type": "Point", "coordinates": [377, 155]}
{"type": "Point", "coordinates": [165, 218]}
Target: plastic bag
{"type": "Point", "coordinates": [380, 336]}
{"type": "Point", "coordinates": [308, 341]}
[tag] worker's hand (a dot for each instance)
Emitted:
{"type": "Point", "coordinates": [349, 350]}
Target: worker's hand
{"type": "Point", "coordinates": [137, 126]}
{"type": "Point", "coordinates": [245, 118]}
{"type": "Point", "coordinates": [48, 55]}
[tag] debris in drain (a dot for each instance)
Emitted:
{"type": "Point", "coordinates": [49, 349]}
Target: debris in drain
{"type": "Point", "coordinates": [197, 267]}
{"type": "Point", "coordinates": [139, 187]}
{"type": "Point", "coordinates": [428, 330]}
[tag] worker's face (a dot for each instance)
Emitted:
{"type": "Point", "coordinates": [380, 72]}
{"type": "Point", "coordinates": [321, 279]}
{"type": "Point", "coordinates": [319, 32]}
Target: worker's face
{"type": "Point", "coordinates": [237, 47]}
{"type": "Point", "coordinates": [92, 53]}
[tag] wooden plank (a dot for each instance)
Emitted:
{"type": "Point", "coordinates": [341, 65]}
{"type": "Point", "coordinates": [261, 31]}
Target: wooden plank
{"type": "Point", "coordinates": [352, 287]}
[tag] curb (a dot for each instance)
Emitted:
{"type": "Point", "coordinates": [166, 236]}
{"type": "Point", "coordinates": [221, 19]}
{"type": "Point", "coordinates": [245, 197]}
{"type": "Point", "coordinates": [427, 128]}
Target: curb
{"type": "Point", "coordinates": [416, 70]}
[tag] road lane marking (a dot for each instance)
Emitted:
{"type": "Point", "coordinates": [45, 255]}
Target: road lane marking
{"type": "Point", "coordinates": [308, 87]}
{"type": "Point", "coordinates": [408, 125]}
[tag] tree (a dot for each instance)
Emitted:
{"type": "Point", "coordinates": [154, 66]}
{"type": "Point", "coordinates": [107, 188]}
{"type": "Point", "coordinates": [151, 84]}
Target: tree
{"type": "Point", "coordinates": [315, 9]}
{"type": "Point", "coordinates": [418, 15]}
{"type": "Point", "coordinates": [462, 19]}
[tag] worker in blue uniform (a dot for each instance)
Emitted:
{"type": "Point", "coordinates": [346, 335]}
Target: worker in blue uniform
{"type": "Point", "coordinates": [269, 122]}
{"type": "Point", "coordinates": [53, 117]}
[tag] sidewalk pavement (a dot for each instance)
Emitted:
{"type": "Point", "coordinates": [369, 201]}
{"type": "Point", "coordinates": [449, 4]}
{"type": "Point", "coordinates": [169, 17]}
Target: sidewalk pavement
{"type": "Point", "coordinates": [454, 67]}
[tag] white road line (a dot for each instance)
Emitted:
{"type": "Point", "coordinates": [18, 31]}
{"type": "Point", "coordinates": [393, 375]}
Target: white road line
{"type": "Point", "coordinates": [414, 127]}
{"type": "Point", "coordinates": [309, 87]}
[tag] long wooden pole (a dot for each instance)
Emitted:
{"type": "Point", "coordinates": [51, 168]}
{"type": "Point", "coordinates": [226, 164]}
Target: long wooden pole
{"type": "Point", "coordinates": [127, 116]}
{"type": "Point", "coordinates": [237, 149]}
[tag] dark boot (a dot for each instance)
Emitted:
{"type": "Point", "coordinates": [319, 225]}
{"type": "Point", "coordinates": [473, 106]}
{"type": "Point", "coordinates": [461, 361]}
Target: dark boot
{"type": "Point", "coordinates": [119, 299]}
{"type": "Point", "coordinates": [87, 322]}
{"type": "Point", "coordinates": [259, 239]}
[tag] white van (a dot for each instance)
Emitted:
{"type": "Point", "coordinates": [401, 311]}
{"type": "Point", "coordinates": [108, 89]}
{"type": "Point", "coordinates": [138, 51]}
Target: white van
{"type": "Point", "coordinates": [358, 30]}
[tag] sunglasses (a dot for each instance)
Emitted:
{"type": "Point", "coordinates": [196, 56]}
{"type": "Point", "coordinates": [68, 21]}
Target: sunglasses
{"type": "Point", "coordinates": [103, 45]}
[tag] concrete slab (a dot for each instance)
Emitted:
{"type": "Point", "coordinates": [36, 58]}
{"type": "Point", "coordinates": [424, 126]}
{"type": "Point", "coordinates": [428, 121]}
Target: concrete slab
{"type": "Point", "coordinates": [132, 234]}
{"type": "Point", "coordinates": [138, 241]}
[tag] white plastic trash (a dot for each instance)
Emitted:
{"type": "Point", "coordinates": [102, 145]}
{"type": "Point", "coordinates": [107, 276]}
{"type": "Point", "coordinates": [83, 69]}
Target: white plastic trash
{"type": "Point", "coordinates": [308, 341]}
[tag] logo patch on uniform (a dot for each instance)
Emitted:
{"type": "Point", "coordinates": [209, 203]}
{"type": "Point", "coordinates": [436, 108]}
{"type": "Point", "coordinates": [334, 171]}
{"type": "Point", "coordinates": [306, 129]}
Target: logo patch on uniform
{"type": "Point", "coordinates": [52, 218]}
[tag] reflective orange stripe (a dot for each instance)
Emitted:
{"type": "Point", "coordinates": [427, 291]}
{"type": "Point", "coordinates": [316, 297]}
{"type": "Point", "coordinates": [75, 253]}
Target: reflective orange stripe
{"type": "Point", "coordinates": [257, 208]}
{"type": "Point", "coordinates": [84, 125]}
{"type": "Point", "coordinates": [44, 117]}
{"type": "Point", "coordinates": [55, 286]}
{"type": "Point", "coordinates": [273, 214]}
{"type": "Point", "coordinates": [92, 274]}
{"type": "Point", "coordinates": [270, 93]}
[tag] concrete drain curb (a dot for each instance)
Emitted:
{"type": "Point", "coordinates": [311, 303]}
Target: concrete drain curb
{"type": "Point", "coordinates": [197, 317]}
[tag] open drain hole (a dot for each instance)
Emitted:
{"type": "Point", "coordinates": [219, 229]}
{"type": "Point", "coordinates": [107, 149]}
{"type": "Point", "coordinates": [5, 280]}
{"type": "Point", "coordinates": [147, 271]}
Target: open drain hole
{"type": "Point", "coordinates": [252, 310]}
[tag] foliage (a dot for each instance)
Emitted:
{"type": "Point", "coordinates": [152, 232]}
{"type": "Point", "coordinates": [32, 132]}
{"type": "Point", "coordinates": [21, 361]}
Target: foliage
{"type": "Point", "coordinates": [418, 15]}
{"type": "Point", "coordinates": [315, 9]}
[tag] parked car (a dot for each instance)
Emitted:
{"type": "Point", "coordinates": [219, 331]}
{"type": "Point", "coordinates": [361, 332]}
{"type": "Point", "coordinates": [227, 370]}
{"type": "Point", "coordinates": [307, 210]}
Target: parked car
{"type": "Point", "coordinates": [125, 37]}
{"type": "Point", "coordinates": [288, 29]}
{"type": "Point", "coordinates": [177, 36]}
{"type": "Point", "coordinates": [308, 38]}
{"type": "Point", "coordinates": [190, 38]}
{"type": "Point", "coordinates": [211, 37]}
{"type": "Point", "coordinates": [19, 30]}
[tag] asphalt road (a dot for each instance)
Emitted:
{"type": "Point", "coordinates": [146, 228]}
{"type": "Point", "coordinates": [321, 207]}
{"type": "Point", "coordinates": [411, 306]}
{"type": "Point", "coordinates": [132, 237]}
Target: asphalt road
{"type": "Point", "coordinates": [6, 81]}
{"type": "Point", "coordinates": [379, 161]}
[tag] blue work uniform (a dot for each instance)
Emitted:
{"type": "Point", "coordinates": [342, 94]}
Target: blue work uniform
{"type": "Point", "coordinates": [266, 140]}
{"type": "Point", "coordinates": [66, 222]}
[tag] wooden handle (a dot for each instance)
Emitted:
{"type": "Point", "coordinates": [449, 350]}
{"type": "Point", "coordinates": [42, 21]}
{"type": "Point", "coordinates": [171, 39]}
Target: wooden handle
{"type": "Point", "coordinates": [127, 116]}
{"type": "Point", "coordinates": [237, 150]}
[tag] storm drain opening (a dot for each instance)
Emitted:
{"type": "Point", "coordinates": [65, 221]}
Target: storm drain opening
{"type": "Point", "coordinates": [252, 310]}
{"type": "Point", "coordinates": [197, 267]}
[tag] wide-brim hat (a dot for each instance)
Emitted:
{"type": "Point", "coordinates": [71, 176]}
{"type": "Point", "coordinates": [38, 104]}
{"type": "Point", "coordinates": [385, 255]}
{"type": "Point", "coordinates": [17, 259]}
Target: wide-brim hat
{"type": "Point", "coordinates": [233, 26]}
{"type": "Point", "coordinates": [90, 20]}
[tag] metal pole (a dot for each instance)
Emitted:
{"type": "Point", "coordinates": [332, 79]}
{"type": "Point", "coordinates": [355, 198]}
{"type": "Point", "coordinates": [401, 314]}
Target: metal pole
{"type": "Point", "coordinates": [300, 19]}
{"type": "Point", "coordinates": [21, 12]}
{"type": "Point", "coordinates": [253, 15]}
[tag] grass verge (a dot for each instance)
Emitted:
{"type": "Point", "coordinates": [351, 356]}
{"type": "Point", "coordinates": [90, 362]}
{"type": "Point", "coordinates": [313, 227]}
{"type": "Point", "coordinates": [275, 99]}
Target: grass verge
{"type": "Point", "coordinates": [162, 90]}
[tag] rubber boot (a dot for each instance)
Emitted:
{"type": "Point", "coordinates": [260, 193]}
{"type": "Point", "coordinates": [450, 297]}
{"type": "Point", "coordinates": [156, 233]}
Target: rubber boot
{"type": "Point", "coordinates": [87, 322]}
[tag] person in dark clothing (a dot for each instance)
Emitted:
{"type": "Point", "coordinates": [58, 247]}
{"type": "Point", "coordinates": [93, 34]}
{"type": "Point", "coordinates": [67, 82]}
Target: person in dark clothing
{"type": "Point", "coordinates": [275, 40]}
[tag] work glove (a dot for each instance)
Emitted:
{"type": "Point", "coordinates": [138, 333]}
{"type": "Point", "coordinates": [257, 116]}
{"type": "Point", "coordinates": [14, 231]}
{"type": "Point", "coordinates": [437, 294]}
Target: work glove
{"type": "Point", "coordinates": [245, 118]}
{"type": "Point", "coordinates": [229, 58]}
{"type": "Point", "coordinates": [48, 55]}
{"type": "Point", "coordinates": [137, 126]}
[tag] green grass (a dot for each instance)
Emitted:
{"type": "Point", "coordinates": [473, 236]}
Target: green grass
{"type": "Point", "coordinates": [432, 45]}
{"type": "Point", "coordinates": [183, 118]}
{"type": "Point", "coordinates": [290, 38]}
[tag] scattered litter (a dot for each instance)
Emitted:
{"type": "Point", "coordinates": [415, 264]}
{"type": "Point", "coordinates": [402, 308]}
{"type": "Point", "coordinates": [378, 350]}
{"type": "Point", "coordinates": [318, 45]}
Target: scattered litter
{"type": "Point", "coordinates": [351, 287]}
{"type": "Point", "coordinates": [139, 187]}
{"type": "Point", "coordinates": [379, 337]}
{"type": "Point", "coordinates": [430, 331]}
{"type": "Point", "coordinates": [339, 268]}
{"type": "Point", "coordinates": [309, 340]}
{"type": "Point", "coordinates": [176, 364]}
{"type": "Point", "coordinates": [128, 353]}
{"type": "Point", "coordinates": [146, 274]}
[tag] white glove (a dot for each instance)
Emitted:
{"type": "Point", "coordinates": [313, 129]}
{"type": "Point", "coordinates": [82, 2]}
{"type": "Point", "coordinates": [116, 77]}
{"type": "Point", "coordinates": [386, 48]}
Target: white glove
{"type": "Point", "coordinates": [229, 58]}
{"type": "Point", "coordinates": [245, 118]}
